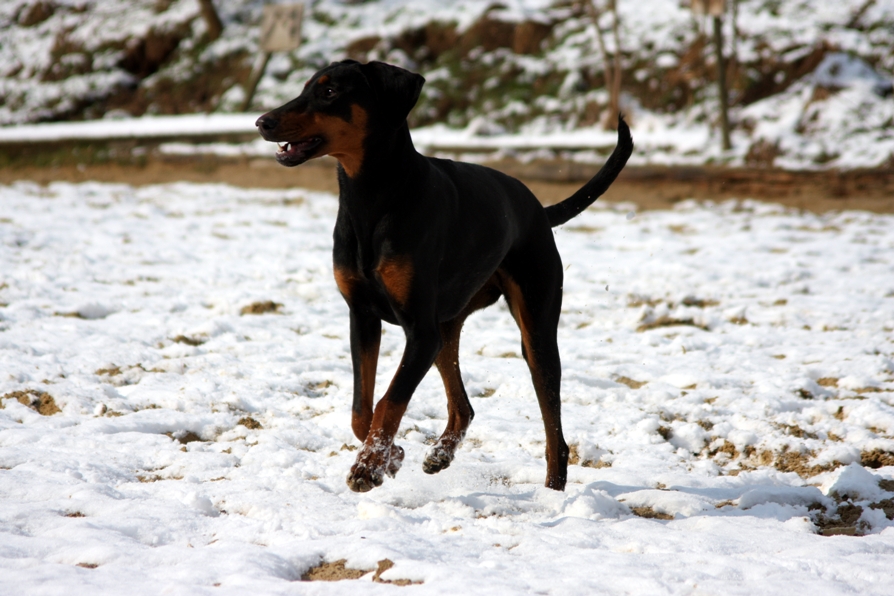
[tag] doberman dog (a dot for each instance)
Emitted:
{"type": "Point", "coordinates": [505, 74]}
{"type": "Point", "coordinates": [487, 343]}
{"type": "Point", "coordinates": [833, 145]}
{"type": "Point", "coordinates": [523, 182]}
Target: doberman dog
{"type": "Point", "coordinates": [422, 243]}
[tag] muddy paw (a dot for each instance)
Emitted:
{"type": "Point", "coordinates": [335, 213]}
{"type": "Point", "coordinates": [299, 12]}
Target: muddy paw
{"type": "Point", "coordinates": [394, 463]}
{"type": "Point", "coordinates": [437, 459]}
{"type": "Point", "coordinates": [363, 479]}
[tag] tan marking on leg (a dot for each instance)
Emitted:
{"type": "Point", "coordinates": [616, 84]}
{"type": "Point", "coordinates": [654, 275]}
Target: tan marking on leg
{"type": "Point", "coordinates": [345, 279]}
{"type": "Point", "coordinates": [518, 308]}
{"type": "Point", "coordinates": [396, 274]}
{"type": "Point", "coordinates": [360, 423]}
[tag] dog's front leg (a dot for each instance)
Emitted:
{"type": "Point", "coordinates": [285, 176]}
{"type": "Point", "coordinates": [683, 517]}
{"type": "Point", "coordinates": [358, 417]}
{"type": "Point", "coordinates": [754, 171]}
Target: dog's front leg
{"type": "Point", "coordinates": [366, 334]}
{"type": "Point", "coordinates": [379, 455]}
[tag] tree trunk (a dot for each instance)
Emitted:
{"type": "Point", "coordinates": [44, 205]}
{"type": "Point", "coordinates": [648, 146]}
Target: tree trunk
{"type": "Point", "coordinates": [615, 97]}
{"type": "Point", "coordinates": [611, 67]}
{"type": "Point", "coordinates": [212, 20]}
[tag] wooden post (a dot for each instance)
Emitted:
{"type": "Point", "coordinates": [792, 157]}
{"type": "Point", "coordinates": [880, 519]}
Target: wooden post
{"type": "Point", "coordinates": [721, 82]}
{"type": "Point", "coordinates": [256, 73]}
{"type": "Point", "coordinates": [280, 32]}
{"type": "Point", "coordinates": [715, 8]}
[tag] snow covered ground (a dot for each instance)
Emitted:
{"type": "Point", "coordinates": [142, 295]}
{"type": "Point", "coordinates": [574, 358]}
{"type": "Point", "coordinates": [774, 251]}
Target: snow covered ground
{"type": "Point", "coordinates": [727, 368]}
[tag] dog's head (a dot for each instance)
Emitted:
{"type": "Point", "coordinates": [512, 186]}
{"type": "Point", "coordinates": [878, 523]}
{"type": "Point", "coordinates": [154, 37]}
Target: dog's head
{"type": "Point", "coordinates": [339, 108]}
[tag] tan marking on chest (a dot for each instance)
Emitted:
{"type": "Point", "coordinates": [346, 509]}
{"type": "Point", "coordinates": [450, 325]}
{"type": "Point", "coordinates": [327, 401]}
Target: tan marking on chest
{"type": "Point", "coordinates": [396, 274]}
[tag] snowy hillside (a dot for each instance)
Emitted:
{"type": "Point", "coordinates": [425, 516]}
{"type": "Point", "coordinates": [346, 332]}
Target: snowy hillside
{"type": "Point", "coordinates": [175, 386]}
{"type": "Point", "coordinates": [810, 82]}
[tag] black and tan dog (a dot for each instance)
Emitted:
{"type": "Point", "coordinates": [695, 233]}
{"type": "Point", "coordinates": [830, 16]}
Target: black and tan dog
{"type": "Point", "coordinates": [422, 243]}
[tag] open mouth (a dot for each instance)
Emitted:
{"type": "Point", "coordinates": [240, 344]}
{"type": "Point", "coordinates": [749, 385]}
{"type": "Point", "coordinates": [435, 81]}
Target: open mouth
{"type": "Point", "coordinates": [297, 152]}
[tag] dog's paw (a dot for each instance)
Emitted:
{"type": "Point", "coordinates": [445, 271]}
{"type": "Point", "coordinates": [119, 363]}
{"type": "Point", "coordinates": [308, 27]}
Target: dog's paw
{"type": "Point", "coordinates": [369, 471]}
{"type": "Point", "coordinates": [397, 458]}
{"type": "Point", "coordinates": [437, 459]}
{"type": "Point", "coordinates": [363, 479]}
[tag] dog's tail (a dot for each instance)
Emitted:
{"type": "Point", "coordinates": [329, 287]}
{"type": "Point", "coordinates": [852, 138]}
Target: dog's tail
{"type": "Point", "coordinates": [572, 206]}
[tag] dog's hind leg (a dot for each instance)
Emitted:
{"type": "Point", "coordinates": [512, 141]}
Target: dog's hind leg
{"type": "Point", "coordinates": [534, 295]}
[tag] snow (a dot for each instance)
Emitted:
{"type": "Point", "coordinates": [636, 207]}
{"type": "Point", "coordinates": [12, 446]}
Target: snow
{"type": "Point", "coordinates": [123, 303]}
{"type": "Point", "coordinates": [146, 127]}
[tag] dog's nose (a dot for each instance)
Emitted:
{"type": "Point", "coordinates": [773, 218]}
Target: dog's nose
{"type": "Point", "coordinates": [267, 123]}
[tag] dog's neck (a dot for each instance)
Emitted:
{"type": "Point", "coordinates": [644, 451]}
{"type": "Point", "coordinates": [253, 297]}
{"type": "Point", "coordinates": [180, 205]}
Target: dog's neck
{"type": "Point", "coordinates": [388, 158]}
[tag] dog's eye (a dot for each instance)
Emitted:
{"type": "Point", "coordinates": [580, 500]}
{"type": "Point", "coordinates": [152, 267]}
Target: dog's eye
{"type": "Point", "coordinates": [329, 92]}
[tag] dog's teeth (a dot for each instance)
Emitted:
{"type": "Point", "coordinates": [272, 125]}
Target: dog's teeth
{"type": "Point", "coordinates": [281, 146]}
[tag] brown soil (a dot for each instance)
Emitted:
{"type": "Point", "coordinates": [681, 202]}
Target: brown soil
{"type": "Point", "coordinates": [336, 571]}
{"type": "Point", "coordinates": [551, 181]}
{"type": "Point", "coordinates": [630, 382]}
{"type": "Point", "coordinates": [333, 572]}
{"type": "Point", "coordinates": [666, 321]}
{"type": "Point", "coordinates": [39, 401]}
{"type": "Point", "coordinates": [250, 423]}
{"type": "Point", "coordinates": [259, 308]}
{"type": "Point", "coordinates": [877, 458]}
{"type": "Point", "coordinates": [650, 513]}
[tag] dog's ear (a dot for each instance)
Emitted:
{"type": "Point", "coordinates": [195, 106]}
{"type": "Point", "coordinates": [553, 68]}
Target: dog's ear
{"type": "Point", "coordinates": [396, 89]}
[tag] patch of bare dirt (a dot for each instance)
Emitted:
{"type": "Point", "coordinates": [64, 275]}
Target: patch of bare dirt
{"type": "Point", "coordinates": [787, 460]}
{"type": "Point", "coordinates": [336, 571]}
{"type": "Point", "coordinates": [650, 513]}
{"type": "Point", "coordinates": [637, 300]}
{"type": "Point", "coordinates": [39, 401]}
{"type": "Point", "coordinates": [797, 462]}
{"type": "Point", "coordinates": [88, 565]}
{"type": "Point", "coordinates": [666, 321]}
{"type": "Point", "coordinates": [886, 505]}
{"type": "Point", "coordinates": [843, 521]}
{"type": "Point", "coordinates": [575, 459]}
{"type": "Point", "coordinates": [260, 308]}
{"type": "Point", "coordinates": [877, 459]}
{"type": "Point", "coordinates": [189, 341]}
{"type": "Point", "coordinates": [250, 423]}
{"type": "Point", "coordinates": [630, 382]}
{"type": "Point", "coordinates": [699, 302]}
{"type": "Point", "coordinates": [184, 436]}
